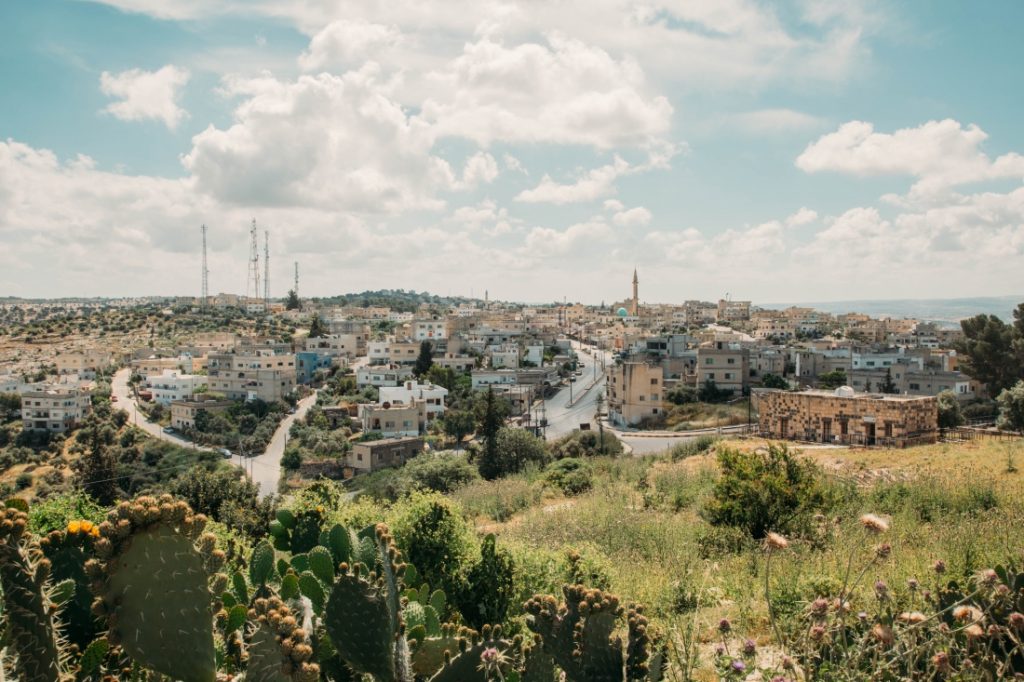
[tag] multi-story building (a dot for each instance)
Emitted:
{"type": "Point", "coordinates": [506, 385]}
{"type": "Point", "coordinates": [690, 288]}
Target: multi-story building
{"type": "Point", "coordinates": [337, 345]}
{"type": "Point", "coordinates": [635, 393]}
{"type": "Point", "coordinates": [532, 376]}
{"type": "Point", "coordinates": [429, 330]}
{"type": "Point", "coordinates": [84, 363]}
{"type": "Point", "coordinates": [394, 420]}
{"type": "Point", "coordinates": [376, 375]}
{"type": "Point", "coordinates": [505, 357]}
{"type": "Point", "coordinates": [255, 375]}
{"type": "Point", "coordinates": [412, 391]}
{"type": "Point", "coordinates": [307, 363]}
{"type": "Point", "coordinates": [170, 385]}
{"type": "Point", "coordinates": [727, 365]}
{"type": "Point", "coordinates": [54, 409]}
{"type": "Point", "coordinates": [456, 361]}
{"type": "Point", "coordinates": [847, 417]}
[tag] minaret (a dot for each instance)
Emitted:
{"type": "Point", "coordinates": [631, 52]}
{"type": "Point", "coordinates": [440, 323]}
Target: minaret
{"type": "Point", "coordinates": [636, 296]}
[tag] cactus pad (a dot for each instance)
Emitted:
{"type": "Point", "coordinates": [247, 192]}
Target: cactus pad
{"type": "Point", "coordinates": [280, 650]}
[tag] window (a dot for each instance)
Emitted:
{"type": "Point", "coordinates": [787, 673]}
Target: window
{"type": "Point", "coordinates": [709, 361]}
{"type": "Point", "coordinates": [654, 397]}
{"type": "Point", "coordinates": [654, 382]}
{"type": "Point", "coordinates": [641, 398]}
{"type": "Point", "coordinates": [728, 375]}
{"type": "Point", "coordinates": [711, 375]}
{"type": "Point", "coordinates": [731, 361]}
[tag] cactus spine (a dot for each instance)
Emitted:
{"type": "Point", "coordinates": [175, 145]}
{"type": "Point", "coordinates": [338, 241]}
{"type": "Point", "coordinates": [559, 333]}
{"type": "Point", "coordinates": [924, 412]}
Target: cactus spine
{"type": "Point", "coordinates": [28, 612]}
{"type": "Point", "coordinates": [152, 585]}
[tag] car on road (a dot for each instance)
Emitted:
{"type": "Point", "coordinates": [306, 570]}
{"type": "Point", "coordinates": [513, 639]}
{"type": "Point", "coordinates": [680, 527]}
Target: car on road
{"type": "Point", "coordinates": [572, 380]}
{"type": "Point", "coordinates": [113, 398]}
{"type": "Point", "coordinates": [225, 453]}
{"type": "Point", "coordinates": [168, 429]}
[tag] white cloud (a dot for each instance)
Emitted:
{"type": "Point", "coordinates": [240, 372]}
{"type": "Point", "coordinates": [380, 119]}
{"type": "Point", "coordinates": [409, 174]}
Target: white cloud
{"type": "Point", "coordinates": [803, 216]}
{"type": "Point", "coordinates": [347, 42]}
{"type": "Point", "coordinates": [481, 168]}
{"type": "Point", "coordinates": [565, 92]}
{"type": "Point", "coordinates": [597, 183]}
{"type": "Point", "coordinates": [146, 95]}
{"type": "Point", "coordinates": [770, 121]}
{"type": "Point", "coordinates": [513, 164]}
{"type": "Point", "coordinates": [940, 154]}
{"type": "Point", "coordinates": [634, 217]}
{"type": "Point", "coordinates": [542, 242]}
{"type": "Point", "coordinates": [325, 141]}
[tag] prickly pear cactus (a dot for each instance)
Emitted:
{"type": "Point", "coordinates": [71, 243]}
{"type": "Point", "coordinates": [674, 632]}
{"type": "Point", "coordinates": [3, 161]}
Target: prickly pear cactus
{"type": "Point", "coordinates": [480, 657]}
{"type": "Point", "coordinates": [280, 648]}
{"type": "Point", "coordinates": [363, 615]}
{"type": "Point", "coordinates": [31, 633]}
{"type": "Point", "coordinates": [152, 586]}
{"type": "Point", "coordinates": [297, 533]}
{"type": "Point", "coordinates": [579, 635]}
{"type": "Point", "coordinates": [68, 551]}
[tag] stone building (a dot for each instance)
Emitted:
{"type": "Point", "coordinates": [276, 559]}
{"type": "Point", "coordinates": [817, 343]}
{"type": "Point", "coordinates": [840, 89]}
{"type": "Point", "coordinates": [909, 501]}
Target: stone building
{"type": "Point", "coordinates": [379, 454]}
{"type": "Point", "coordinates": [846, 417]}
{"type": "Point", "coordinates": [55, 409]}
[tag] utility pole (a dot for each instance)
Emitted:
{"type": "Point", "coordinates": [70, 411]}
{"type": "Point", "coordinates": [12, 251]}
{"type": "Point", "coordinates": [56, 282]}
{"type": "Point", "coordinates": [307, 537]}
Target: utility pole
{"type": "Point", "coordinates": [296, 279]}
{"type": "Point", "coordinates": [266, 270]}
{"type": "Point", "coordinates": [252, 283]}
{"type": "Point", "coordinates": [205, 301]}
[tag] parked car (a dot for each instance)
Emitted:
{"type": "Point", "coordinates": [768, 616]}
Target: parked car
{"type": "Point", "coordinates": [225, 453]}
{"type": "Point", "coordinates": [168, 429]}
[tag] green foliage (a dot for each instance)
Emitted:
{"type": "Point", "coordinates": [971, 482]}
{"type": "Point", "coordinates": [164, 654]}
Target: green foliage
{"type": "Point", "coordinates": [571, 475]}
{"type": "Point", "coordinates": [692, 447]}
{"type": "Point", "coordinates": [442, 472]}
{"type": "Point", "coordinates": [317, 327]}
{"type": "Point", "coordinates": [514, 449]}
{"type": "Point", "coordinates": [711, 393]}
{"type": "Point", "coordinates": [765, 490]}
{"type": "Point", "coordinates": [1011, 408]}
{"type": "Point", "coordinates": [56, 511]}
{"type": "Point", "coordinates": [992, 351]}
{"type": "Point", "coordinates": [833, 379]}
{"type": "Point", "coordinates": [489, 463]}
{"type": "Point", "coordinates": [950, 414]}
{"type": "Point", "coordinates": [888, 385]}
{"type": "Point", "coordinates": [458, 424]}
{"type": "Point", "coordinates": [425, 359]}
{"type": "Point", "coordinates": [227, 496]}
{"type": "Point", "coordinates": [770, 380]}
{"type": "Point", "coordinates": [587, 444]}
{"type": "Point", "coordinates": [430, 530]}
{"type": "Point", "coordinates": [292, 301]}
{"type": "Point", "coordinates": [486, 593]}
{"type": "Point", "coordinates": [682, 395]}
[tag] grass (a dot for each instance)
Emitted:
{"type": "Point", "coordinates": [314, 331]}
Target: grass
{"type": "Point", "coordinates": [692, 416]}
{"type": "Point", "coordinates": [642, 523]}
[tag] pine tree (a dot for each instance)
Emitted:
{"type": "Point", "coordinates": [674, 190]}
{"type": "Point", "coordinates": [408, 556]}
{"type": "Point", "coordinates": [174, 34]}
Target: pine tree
{"type": "Point", "coordinates": [888, 385]}
{"type": "Point", "coordinates": [425, 359]}
{"type": "Point", "coordinates": [489, 464]}
{"type": "Point", "coordinates": [292, 302]}
{"type": "Point", "coordinates": [317, 328]}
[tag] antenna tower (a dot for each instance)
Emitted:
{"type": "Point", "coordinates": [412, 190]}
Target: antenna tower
{"type": "Point", "coordinates": [266, 269]}
{"type": "Point", "coordinates": [206, 274]}
{"type": "Point", "coordinates": [296, 279]}
{"type": "Point", "coordinates": [252, 284]}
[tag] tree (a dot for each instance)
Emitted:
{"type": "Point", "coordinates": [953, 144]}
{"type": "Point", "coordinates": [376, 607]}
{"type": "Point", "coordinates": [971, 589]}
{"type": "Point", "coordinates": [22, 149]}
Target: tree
{"type": "Point", "coordinates": [425, 359]}
{"type": "Point", "coordinates": [317, 328]}
{"type": "Point", "coordinates": [833, 379]}
{"type": "Point", "coordinates": [888, 385]}
{"type": "Point", "coordinates": [1011, 408]}
{"type": "Point", "coordinates": [774, 381]}
{"type": "Point", "coordinates": [292, 302]}
{"type": "Point", "coordinates": [458, 424]}
{"type": "Point", "coordinates": [445, 377]}
{"type": "Point", "coordinates": [763, 491]}
{"type": "Point", "coordinates": [992, 351]}
{"type": "Point", "coordinates": [711, 393]}
{"type": "Point", "coordinates": [489, 586]}
{"type": "Point", "coordinates": [950, 415]}
{"type": "Point", "coordinates": [489, 464]}
{"type": "Point", "coordinates": [517, 448]}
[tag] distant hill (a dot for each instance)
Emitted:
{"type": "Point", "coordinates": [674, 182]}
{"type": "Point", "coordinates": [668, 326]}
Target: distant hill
{"type": "Point", "coordinates": [936, 309]}
{"type": "Point", "coordinates": [396, 299]}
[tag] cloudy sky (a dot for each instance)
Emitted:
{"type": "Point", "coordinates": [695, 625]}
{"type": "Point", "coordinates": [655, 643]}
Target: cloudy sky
{"type": "Point", "coordinates": [538, 149]}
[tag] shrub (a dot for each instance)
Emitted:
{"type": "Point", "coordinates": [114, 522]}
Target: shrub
{"type": "Point", "coordinates": [431, 531]}
{"type": "Point", "coordinates": [486, 593]}
{"type": "Point", "coordinates": [499, 500]}
{"type": "Point", "coordinates": [716, 541]}
{"type": "Point", "coordinates": [587, 444]}
{"type": "Point", "coordinates": [23, 481]}
{"type": "Point", "coordinates": [765, 490]}
{"type": "Point", "coordinates": [292, 459]}
{"type": "Point", "coordinates": [570, 475]}
{"type": "Point", "coordinates": [691, 447]}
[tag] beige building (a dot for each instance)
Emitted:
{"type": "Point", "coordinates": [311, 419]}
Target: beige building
{"type": "Point", "coordinates": [256, 375]}
{"type": "Point", "coordinates": [55, 409]}
{"type": "Point", "coordinates": [394, 420]}
{"type": "Point", "coordinates": [380, 454]}
{"type": "Point", "coordinates": [84, 363]}
{"type": "Point", "coordinates": [183, 412]}
{"type": "Point", "coordinates": [846, 417]}
{"type": "Point", "coordinates": [635, 393]}
{"type": "Point", "coordinates": [726, 365]}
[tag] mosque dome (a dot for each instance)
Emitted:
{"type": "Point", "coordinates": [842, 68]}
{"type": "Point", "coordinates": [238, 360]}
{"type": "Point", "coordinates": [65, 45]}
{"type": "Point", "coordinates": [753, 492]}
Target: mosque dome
{"type": "Point", "coordinates": [622, 312]}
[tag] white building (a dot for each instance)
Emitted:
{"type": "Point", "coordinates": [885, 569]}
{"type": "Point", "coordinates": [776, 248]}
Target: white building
{"type": "Point", "coordinates": [171, 385]}
{"type": "Point", "coordinates": [504, 357]}
{"type": "Point", "coordinates": [429, 330]}
{"type": "Point", "coordinates": [379, 352]}
{"type": "Point", "coordinates": [535, 354]}
{"type": "Point", "coordinates": [412, 391]}
{"type": "Point", "coordinates": [54, 409]}
{"type": "Point", "coordinates": [375, 375]}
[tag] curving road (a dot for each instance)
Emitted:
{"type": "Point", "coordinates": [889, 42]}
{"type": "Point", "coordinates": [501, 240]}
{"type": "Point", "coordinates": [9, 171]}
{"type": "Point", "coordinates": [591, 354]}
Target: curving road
{"type": "Point", "coordinates": [264, 470]}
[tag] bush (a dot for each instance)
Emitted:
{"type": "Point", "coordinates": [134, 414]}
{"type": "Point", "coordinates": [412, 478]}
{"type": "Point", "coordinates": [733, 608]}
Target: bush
{"type": "Point", "coordinates": [58, 510]}
{"type": "Point", "coordinates": [23, 481]}
{"type": "Point", "coordinates": [442, 472]}
{"type": "Point", "coordinates": [765, 490]}
{"type": "Point", "coordinates": [486, 593]}
{"type": "Point", "coordinates": [587, 444]}
{"type": "Point", "coordinates": [570, 475]}
{"type": "Point", "coordinates": [291, 460]}
{"type": "Point", "coordinates": [499, 500]}
{"type": "Point", "coordinates": [716, 541]}
{"type": "Point", "coordinates": [691, 448]}
{"type": "Point", "coordinates": [430, 530]}
{"type": "Point", "coordinates": [516, 448]}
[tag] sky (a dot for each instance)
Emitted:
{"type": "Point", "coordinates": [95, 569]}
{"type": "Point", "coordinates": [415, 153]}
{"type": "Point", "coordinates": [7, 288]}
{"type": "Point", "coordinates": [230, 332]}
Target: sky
{"type": "Point", "coordinates": [533, 149]}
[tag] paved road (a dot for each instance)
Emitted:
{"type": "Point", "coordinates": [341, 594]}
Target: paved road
{"type": "Point", "coordinates": [265, 469]}
{"type": "Point", "coordinates": [120, 389]}
{"type": "Point", "coordinates": [563, 418]}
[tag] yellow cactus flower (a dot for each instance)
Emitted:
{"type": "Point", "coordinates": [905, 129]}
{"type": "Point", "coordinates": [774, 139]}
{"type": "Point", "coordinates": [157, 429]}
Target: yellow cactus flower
{"type": "Point", "coordinates": [95, 531]}
{"type": "Point", "coordinates": [74, 527]}
{"type": "Point", "coordinates": [86, 526]}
